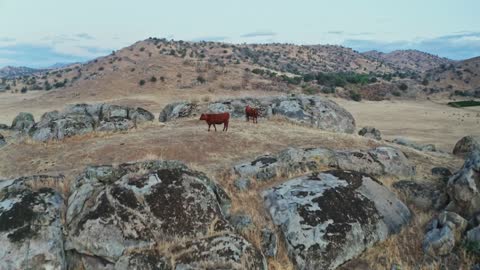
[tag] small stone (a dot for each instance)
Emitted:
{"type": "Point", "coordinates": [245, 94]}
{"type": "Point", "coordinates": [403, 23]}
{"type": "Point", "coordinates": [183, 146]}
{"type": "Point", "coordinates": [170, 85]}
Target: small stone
{"type": "Point", "coordinates": [370, 132]}
{"type": "Point", "coordinates": [269, 243]}
{"type": "Point", "coordinates": [242, 184]}
{"type": "Point", "coordinates": [241, 221]}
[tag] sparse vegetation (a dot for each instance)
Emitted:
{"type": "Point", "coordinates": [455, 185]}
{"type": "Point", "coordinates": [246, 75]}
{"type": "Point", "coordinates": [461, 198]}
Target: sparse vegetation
{"type": "Point", "coordinates": [141, 82]}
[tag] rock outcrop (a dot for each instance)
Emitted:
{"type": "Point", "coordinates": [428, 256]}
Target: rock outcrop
{"type": "Point", "coordinates": [370, 132]}
{"type": "Point", "coordinates": [135, 206]}
{"type": "Point", "coordinates": [84, 118]}
{"type": "Point", "coordinates": [464, 187]}
{"type": "Point", "coordinates": [377, 161]}
{"type": "Point", "coordinates": [23, 122]}
{"type": "Point", "coordinates": [311, 110]}
{"type": "Point", "coordinates": [466, 145]}
{"type": "Point", "coordinates": [414, 145]}
{"type": "Point", "coordinates": [328, 218]}
{"type": "Point", "coordinates": [30, 227]}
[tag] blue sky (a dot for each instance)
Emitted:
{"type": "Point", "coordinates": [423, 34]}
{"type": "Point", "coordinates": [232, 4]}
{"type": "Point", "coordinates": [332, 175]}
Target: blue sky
{"type": "Point", "coordinates": [40, 33]}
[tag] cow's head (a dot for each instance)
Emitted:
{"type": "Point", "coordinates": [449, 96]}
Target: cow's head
{"type": "Point", "coordinates": [203, 117]}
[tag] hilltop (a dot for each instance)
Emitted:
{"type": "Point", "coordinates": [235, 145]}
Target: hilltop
{"type": "Point", "coordinates": [412, 60]}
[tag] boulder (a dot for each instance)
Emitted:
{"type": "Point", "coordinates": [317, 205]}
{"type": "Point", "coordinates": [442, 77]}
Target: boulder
{"type": "Point", "coordinates": [331, 217]}
{"type": "Point", "coordinates": [464, 187]}
{"type": "Point", "coordinates": [466, 145]}
{"type": "Point", "coordinates": [370, 132]}
{"type": "Point", "coordinates": [30, 227]}
{"type": "Point", "coordinates": [23, 122]}
{"type": "Point", "coordinates": [4, 127]}
{"type": "Point", "coordinates": [269, 242]}
{"type": "Point", "coordinates": [134, 206]}
{"type": "Point", "coordinates": [419, 147]}
{"type": "Point", "coordinates": [223, 251]}
{"type": "Point", "coordinates": [439, 241]}
{"type": "Point", "coordinates": [241, 221]}
{"type": "Point", "coordinates": [424, 196]}
{"type": "Point", "coordinates": [236, 107]}
{"type": "Point", "coordinates": [2, 140]}
{"type": "Point", "coordinates": [377, 161]}
{"type": "Point", "coordinates": [85, 118]}
{"type": "Point", "coordinates": [242, 184]}
{"type": "Point", "coordinates": [176, 110]}
{"type": "Point", "coordinates": [316, 111]}
{"type": "Point", "coordinates": [443, 232]}
{"type": "Point", "coordinates": [267, 167]}
{"type": "Point", "coordinates": [473, 235]}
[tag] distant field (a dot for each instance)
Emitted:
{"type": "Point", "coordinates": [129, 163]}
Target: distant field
{"type": "Point", "coordinates": [466, 103]}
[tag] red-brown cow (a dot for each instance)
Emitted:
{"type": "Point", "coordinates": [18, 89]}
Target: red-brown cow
{"type": "Point", "coordinates": [251, 112]}
{"type": "Point", "coordinates": [216, 119]}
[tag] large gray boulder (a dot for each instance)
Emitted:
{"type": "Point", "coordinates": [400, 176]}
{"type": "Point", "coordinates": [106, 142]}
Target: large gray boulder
{"type": "Point", "coordinates": [316, 111]}
{"type": "Point", "coordinates": [114, 210]}
{"type": "Point", "coordinates": [464, 187]}
{"type": "Point", "coordinates": [426, 196]}
{"type": "Point", "coordinates": [329, 218]}
{"type": "Point", "coordinates": [310, 110]}
{"type": "Point", "coordinates": [177, 110]}
{"type": "Point", "coordinates": [23, 122]}
{"type": "Point", "coordinates": [30, 227]}
{"type": "Point", "coordinates": [85, 118]}
{"type": "Point", "coordinates": [466, 145]}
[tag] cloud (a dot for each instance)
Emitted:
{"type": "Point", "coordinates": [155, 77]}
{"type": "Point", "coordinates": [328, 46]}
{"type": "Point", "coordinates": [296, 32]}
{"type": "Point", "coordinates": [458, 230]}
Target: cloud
{"type": "Point", "coordinates": [259, 34]}
{"type": "Point", "coordinates": [335, 32]}
{"type": "Point", "coordinates": [84, 36]}
{"type": "Point", "coordinates": [211, 38]}
{"type": "Point", "coordinates": [456, 46]}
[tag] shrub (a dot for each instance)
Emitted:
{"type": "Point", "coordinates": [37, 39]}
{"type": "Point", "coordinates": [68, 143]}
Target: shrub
{"type": "Point", "coordinates": [355, 95]}
{"type": "Point", "coordinates": [403, 87]}
{"type": "Point", "coordinates": [201, 79]}
{"type": "Point", "coordinates": [132, 70]}
{"type": "Point", "coordinates": [7, 87]}
{"type": "Point", "coordinates": [162, 79]}
{"type": "Point", "coordinates": [153, 79]}
{"type": "Point", "coordinates": [328, 90]}
{"type": "Point", "coordinates": [142, 49]}
{"type": "Point", "coordinates": [101, 68]}
{"type": "Point", "coordinates": [24, 90]}
{"type": "Point", "coordinates": [425, 82]}
{"type": "Point", "coordinates": [396, 93]}
{"type": "Point", "coordinates": [141, 82]}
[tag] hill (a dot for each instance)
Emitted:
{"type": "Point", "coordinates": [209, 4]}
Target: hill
{"type": "Point", "coordinates": [154, 65]}
{"type": "Point", "coordinates": [10, 72]}
{"type": "Point", "coordinates": [411, 60]}
{"type": "Point", "coordinates": [461, 78]}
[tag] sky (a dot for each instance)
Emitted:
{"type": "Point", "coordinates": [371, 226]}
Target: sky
{"type": "Point", "coordinates": [40, 33]}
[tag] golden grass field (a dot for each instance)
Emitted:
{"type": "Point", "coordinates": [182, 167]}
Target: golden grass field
{"type": "Point", "coordinates": [216, 152]}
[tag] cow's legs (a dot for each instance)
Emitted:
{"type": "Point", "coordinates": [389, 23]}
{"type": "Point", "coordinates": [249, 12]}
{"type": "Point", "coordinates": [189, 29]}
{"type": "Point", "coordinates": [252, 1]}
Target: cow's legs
{"type": "Point", "coordinates": [225, 126]}
{"type": "Point", "coordinates": [215, 127]}
{"type": "Point", "coordinates": [209, 127]}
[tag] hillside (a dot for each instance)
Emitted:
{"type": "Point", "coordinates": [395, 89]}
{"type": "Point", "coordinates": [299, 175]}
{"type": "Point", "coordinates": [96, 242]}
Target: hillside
{"type": "Point", "coordinates": [462, 78]}
{"type": "Point", "coordinates": [411, 60]}
{"type": "Point", "coordinates": [9, 71]}
{"type": "Point", "coordinates": [154, 65]}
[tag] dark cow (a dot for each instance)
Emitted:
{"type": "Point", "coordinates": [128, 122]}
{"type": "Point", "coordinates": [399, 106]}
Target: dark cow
{"type": "Point", "coordinates": [216, 119]}
{"type": "Point", "coordinates": [251, 112]}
